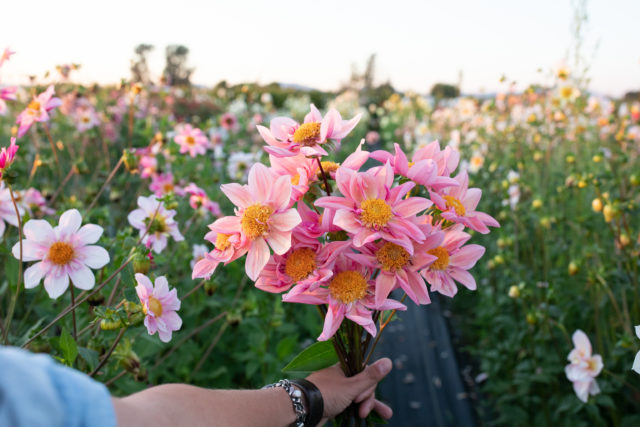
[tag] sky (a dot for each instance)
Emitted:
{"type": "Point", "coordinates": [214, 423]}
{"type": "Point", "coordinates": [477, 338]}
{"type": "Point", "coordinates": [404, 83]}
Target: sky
{"type": "Point", "coordinates": [315, 44]}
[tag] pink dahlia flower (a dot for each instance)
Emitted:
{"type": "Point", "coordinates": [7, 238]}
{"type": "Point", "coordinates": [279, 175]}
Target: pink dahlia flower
{"type": "Point", "coordinates": [198, 199]}
{"type": "Point", "coordinates": [286, 137]}
{"type": "Point", "coordinates": [228, 247]}
{"type": "Point", "coordinates": [63, 253]}
{"type": "Point", "coordinates": [34, 202]}
{"type": "Point", "coordinates": [7, 210]}
{"type": "Point", "coordinates": [159, 305]}
{"type": "Point", "coordinates": [453, 260]}
{"type": "Point", "coordinates": [372, 210]}
{"type": "Point", "coordinates": [7, 155]}
{"type": "Point", "coordinates": [262, 216]}
{"type": "Point", "coordinates": [37, 110]}
{"type": "Point", "coordinates": [85, 118]}
{"type": "Point", "coordinates": [300, 169]}
{"type": "Point", "coordinates": [155, 223]}
{"type": "Point", "coordinates": [229, 121]}
{"type": "Point", "coordinates": [423, 171]}
{"type": "Point", "coordinates": [191, 140]}
{"type": "Point", "coordinates": [584, 367]}
{"type": "Point", "coordinates": [348, 294]}
{"type": "Point", "coordinates": [458, 204]}
{"type": "Point", "coordinates": [6, 94]}
{"type": "Point", "coordinates": [163, 183]}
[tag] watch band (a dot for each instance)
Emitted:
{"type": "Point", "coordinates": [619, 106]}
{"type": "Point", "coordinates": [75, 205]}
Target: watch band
{"type": "Point", "coordinates": [315, 401]}
{"type": "Point", "coordinates": [295, 395]}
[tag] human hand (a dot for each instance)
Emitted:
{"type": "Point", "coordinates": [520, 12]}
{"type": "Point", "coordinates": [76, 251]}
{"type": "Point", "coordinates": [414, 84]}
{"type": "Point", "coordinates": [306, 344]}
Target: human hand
{"type": "Point", "coordinates": [338, 390]}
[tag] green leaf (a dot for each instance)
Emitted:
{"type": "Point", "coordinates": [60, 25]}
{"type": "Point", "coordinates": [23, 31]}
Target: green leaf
{"type": "Point", "coordinates": [317, 356]}
{"type": "Point", "coordinates": [68, 347]}
{"type": "Point", "coordinates": [89, 356]}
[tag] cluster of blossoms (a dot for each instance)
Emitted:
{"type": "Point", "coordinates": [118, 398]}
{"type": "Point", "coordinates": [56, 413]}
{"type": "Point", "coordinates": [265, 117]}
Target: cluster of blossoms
{"type": "Point", "coordinates": [397, 225]}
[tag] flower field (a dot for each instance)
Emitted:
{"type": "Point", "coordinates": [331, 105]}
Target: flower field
{"type": "Point", "coordinates": [153, 234]}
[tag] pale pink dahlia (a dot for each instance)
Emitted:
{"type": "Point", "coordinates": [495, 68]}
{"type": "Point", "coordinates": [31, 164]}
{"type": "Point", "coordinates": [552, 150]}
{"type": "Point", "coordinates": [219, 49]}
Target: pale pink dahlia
{"type": "Point", "coordinates": [583, 367]}
{"type": "Point", "coordinates": [371, 209]}
{"type": "Point", "coordinates": [262, 216]}
{"type": "Point", "coordinates": [159, 305]}
{"type": "Point", "coordinates": [453, 260]}
{"type": "Point", "coordinates": [191, 140]}
{"type": "Point", "coordinates": [228, 247]}
{"type": "Point", "coordinates": [63, 253]}
{"type": "Point", "coordinates": [458, 204]}
{"type": "Point", "coordinates": [155, 223]}
{"type": "Point", "coordinates": [164, 183]}
{"type": "Point", "coordinates": [198, 199]}
{"type": "Point", "coordinates": [286, 137]}
{"type": "Point", "coordinates": [350, 293]}
{"type": "Point", "coordinates": [7, 210]}
{"type": "Point", "coordinates": [37, 110]}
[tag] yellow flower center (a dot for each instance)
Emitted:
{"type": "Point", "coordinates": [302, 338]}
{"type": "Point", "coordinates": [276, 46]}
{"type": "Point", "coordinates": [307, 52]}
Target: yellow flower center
{"type": "Point", "coordinates": [85, 119]}
{"type": "Point", "coordinates": [591, 363]}
{"type": "Point", "coordinates": [443, 258]}
{"type": "Point", "coordinates": [155, 306]}
{"type": "Point", "coordinates": [190, 140]}
{"type": "Point", "coordinates": [348, 286]}
{"type": "Point", "coordinates": [167, 187]}
{"type": "Point", "coordinates": [376, 213]}
{"type": "Point", "coordinates": [307, 134]}
{"type": "Point", "coordinates": [60, 253]}
{"type": "Point", "coordinates": [295, 180]}
{"type": "Point", "coordinates": [456, 204]}
{"type": "Point", "coordinates": [329, 167]}
{"type": "Point", "coordinates": [222, 241]}
{"type": "Point", "coordinates": [254, 220]}
{"type": "Point", "coordinates": [392, 257]}
{"type": "Point", "coordinates": [34, 105]}
{"type": "Point", "coordinates": [300, 264]}
{"type": "Point", "coordinates": [566, 91]}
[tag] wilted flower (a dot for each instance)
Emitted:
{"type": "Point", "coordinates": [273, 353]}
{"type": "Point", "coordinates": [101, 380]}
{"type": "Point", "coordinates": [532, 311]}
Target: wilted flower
{"type": "Point", "coordinates": [159, 305]}
{"type": "Point", "coordinates": [64, 253]}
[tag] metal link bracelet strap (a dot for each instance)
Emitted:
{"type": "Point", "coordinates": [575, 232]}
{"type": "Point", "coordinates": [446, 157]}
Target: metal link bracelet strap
{"type": "Point", "coordinates": [295, 396]}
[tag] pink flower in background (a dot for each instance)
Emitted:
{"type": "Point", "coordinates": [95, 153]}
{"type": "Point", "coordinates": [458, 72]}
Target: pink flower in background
{"type": "Point", "coordinates": [7, 155]}
{"type": "Point", "coordinates": [34, 202]}
{"type": "Point", "coordinates": [85, 118]}
{"type": "Point", "coordinates": [155, 223]}
{"type": "Point", "coordinates": [159, 305]}
{"type": "Point", "coordinates": [458, 204]}
{"type": "Point", "coordinates": [63, 253]}
{"type": "Point", "coordinates": [199, 253]}
{"type": "Point", "coordinates": [286, 137]}
{"type": "Point", "coordinates": [262, 216]}
{"type": "Point", "coordinates": [198, 199]}
{"type": "Point", "coordinates": [7, 210]}
{"type": "Point", "coordinates": [148, 164]}
{"type": "Point", "coordinates": [37, 110]}
{"type": "Point", "coordinates": [228, 121]}
{"type": "Point", "coordinates": [421, 171]}
{"type": "Point", "coordinates": [6, 55]}
{"type": "Point", "coordinates": [453, 260]}
{"type": "Point", "coordinates": [6, 94]}
{"type": "Point", "coordinates": [583, 367]}
{"type": "Point", "coordinates": [191, 140]}
{"type": "Point", "coordinates": [372, 210]}
{"type": "Point", "coordinates": [163, 183]}
{"type": "Point", "coordinates": [348, 294]}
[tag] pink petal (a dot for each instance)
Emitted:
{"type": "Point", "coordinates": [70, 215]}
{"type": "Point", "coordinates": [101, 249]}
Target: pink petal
{"type": "Point", "coordinates": [285, 221]}
{"type": "Point", "coordinates": [257, 258]}
{"type": "Point", "coordinates": [89, 234]}
{"type": "Point", "coordinates": [82, 277]}
{"type": "Point", "coordinates": [238, 194]}
{"type": "Point", "coordinates": [280, 241]}
{"type": "Point", "coordinates": [94, 256]}
{"type": "Point", "coordinates": [55, 285]}
{"type": "Point", "coordinates": [34, 274]}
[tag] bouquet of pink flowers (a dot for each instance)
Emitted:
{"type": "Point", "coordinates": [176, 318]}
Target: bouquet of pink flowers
{"type": "Point", "coordinates": [343, 238]}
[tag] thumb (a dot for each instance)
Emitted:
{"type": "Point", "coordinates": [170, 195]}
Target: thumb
{"type": "Point", "coordinates": [372, 374]}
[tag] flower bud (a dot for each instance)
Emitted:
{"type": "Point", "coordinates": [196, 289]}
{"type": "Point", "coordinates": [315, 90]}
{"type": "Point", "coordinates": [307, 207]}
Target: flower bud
{"type": "Point", "coordinates": [596, 205]}
{"type": "Point", "coordinates": [514, 292]}
{"type": "Point", "coordinates": [608, 213]}
{"type": "Point", "coordinates": [537, 204]}
{"type": "Point", "coordinates": [141, 263]}
{"type": "Point", "coordinates": [624, 240]}
{"type": "Point", "coordinates": [130, 161]}
{"type": "Point", "coordinates": [573, 268]}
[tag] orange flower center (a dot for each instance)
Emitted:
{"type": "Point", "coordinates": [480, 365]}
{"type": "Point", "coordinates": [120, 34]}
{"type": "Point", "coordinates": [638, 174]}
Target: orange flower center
{"type": "Point", "coordinates": [222, 241]}
{"type": "Point", "coordinates": [443, 258]}
{"type": "Point", "coordinates": [456, 204]}
{"type": "Point", "coordinates": [85, 119]}
{"type": "Point", "coordinates": [392, 257]}
{"type": "Point", "coordinates": [376, 213]}
{"type": "Point", "coordinates": [254, 220]}
{"type": "Point", "coordinates": [60, 253]}
{"type": "Point", "coordinates": [300, 264]}
{"type": "Point", "coordinates": [295, 180]}
{"type": "Point", "coordinates": [34, 105]}
{"type": "Point", "coordinates": [348, 286]}
{"type": "Point", "coordinates": [307, 134]}
{"type": "Point", "coordinates": [190, 140]}
{"type": "Point", "coordinates": [566, 91]}
{"type": "Point", "coordinates": [154, 305]}
{"type": "Point", "coordinates": [329, 167]}
{"type": "Point", "coordinates": [167, 187]}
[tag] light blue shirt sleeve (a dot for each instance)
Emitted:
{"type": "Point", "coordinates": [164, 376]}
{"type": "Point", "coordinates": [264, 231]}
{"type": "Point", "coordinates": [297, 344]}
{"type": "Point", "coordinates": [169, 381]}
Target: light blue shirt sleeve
{"type": "Point", "coordinates": [37, 391]}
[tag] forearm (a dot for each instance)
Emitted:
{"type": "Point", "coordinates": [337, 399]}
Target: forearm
{"type": "Point", "coordinates": [180, 404]}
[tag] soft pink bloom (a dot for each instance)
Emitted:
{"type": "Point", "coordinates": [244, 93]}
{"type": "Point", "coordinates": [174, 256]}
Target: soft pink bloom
{"type": "Point", "coordinates": [64, 253]}
{"type": "Point", "coordinates": [371, 209]}
{"type": "Point", "coordinates": [159, 305]}
{"type": "Point", "coordinates": [583, 367]}
{"type": "Point", "coordinates": [155, 223]}
{"type": "Point", "coordinates": [423, 171]}
{"type": "Point", "coordinates": [37, 110]}
{"type": "Point", "coordinates": [286, 137]}
{"type": "Point", "coordinates": [458, 204]}
{"type": "Point", "coordinates": [6, 94]}
{"type": "Point", "coordinates": [228, 247]}
{"type": "Point", "coordinates": [7, 155]}
{"type": "Point", "coordinates": [6, 55]}
{"type": "Point", "coordinates": [191, 140]}
{"type": "Point", "coordinates": [300, 169]}
{"type": "Point", "coordinates": [199, 252]}
{"type": "Point", "coordinates": [85, 118]}
{"type": "Point", "coordinates": [148, 164]}
{"type": "Point", "coordinates": [163, 183]}
{"type": "Point", "coordinates": [262, 216]}
{"type": "Point", "coordinates": [453, 260]}
{"type": "Point", "coordinates": [7, 210]}
{"type": "Point", "coordinates": [228, 121]}
{"type": "Point", "coordinates": [198, 199]}
{"type": "Point", "coordinates": [34, 202]}
{"type": "Point", "coordinates": [350, 293]}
